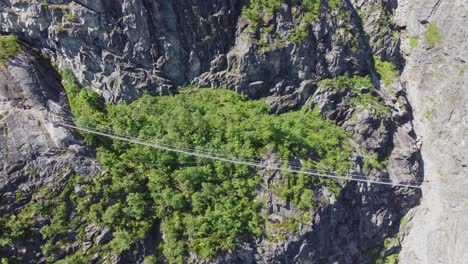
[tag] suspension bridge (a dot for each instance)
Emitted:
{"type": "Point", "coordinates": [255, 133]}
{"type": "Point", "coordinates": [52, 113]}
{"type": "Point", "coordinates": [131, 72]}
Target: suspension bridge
{"type": "Point", "coordinates": [348, 176]}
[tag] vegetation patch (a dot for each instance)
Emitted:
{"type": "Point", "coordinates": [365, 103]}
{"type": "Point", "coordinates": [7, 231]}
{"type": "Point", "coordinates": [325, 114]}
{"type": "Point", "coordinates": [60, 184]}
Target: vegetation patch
{"type": "Point", "coordinates": [299, 34]}
{"type": "Point", "coordinates": [255, 10]}
{"type": "Point", "coordinates": [63, 7]}
{"type": "Point", "coordinates": [390, 242]}
{"type": "Point", "coordinates": [70, 17]}
{"type": "Point", "coordinates": [334, 4]}
{"type": "Point", "coordinates": [9, 47]}
{"type": "Point", "coordinates": [391, 259]}
{"type": "Point", "coordinates": [279, 230]}
{"type": "Point", "coordinates": [19, 225]}
{"type": "Point", "coordinates": [218, 121]}
{"type": "Point", "coordinates": [386, 70]}
{"type": "Point", "coordinates": [371, 102]}
{"type": "Point", "coordinates": [60, 29]}
{"type": "Point", "coordinates": [311, 10]}
{"type": "Point", "coordinates": [433, 35]}
{"type": "Point", "coordinates": [5, 139]}
{"type": "Point", "coordinates": [258, 11]}
{"type": "Point", "coordinates": [355, 84]}
{"type": "Point", "coordinates": [414, 42]}
{"type": "Point", "coordinates": [405, 220]}
{"type": "Point", "coordinates": [347, 81]}
{"type": "Point", "coordinates": [199, 205]}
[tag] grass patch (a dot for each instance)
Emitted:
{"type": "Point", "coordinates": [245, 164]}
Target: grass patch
{"type": "Point", "coordinates": [428, 114]}
{"type": "Point", "coordinates": [44, 4]}
{"type": "Point", "coordinates": [286, 225]}
{"type": "Point", "coordinates": [433, 35]}
{"type": "Point", "coordinates": [4, 114]}
{"type": "Point", "coordinates": [390, 242]}
{"type": "Point", "coordinates": [9, 47]}
{"type": "Point", "coordinates": [19, 195]}
{"type": "Point", "coordinates": [279, 231]}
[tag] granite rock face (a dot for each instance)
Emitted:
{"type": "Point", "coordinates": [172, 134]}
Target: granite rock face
{"type": "Point", "coordinates": [123, 48]}
{"type": "Point", "coordinates": [436, 79]}
{"type": "Point", "coordinates": [33, 153]}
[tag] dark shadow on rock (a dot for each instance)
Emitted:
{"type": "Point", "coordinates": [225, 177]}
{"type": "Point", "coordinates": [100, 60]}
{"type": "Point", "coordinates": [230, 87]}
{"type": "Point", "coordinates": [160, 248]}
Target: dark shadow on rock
{"type": "Point", "coordinates": [354, 228]}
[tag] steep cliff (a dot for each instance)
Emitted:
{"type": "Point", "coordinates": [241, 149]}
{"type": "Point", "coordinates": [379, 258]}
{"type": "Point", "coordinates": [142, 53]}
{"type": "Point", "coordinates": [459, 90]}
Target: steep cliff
{"type": "Point", "coordinates": [35, 154]}
{"type": "Point", "coordinates": [436, 80]}
{"type": "Point", "coordinates": [338, 58]}
{"type": "Point", "coordinates": [122, 48]}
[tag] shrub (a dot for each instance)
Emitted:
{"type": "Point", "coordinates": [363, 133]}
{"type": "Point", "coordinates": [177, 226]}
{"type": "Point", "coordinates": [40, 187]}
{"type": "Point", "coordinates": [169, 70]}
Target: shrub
{"type": "Point", "coordinates": [299, 34]}
{"type": "Point", "coordinates": [9, 47]}
{"type": "Point", "coordinates": [345, 81]}
{"type": "Point", "coordinates": [311, 10]}
{"type": "Point", "coordinates": [60, 28]}
{"type": "Point", "coordinates": [86, 105]}
{"type": "Point", "coordinates": [414, 41]}
{"type": "Point", "coordinates": [391, 259]}
{"type": "Point", "coordinates": [121, 241]}
{"type": "Point", "coordinates": [433, 35]}
{"type": "Point", "coordinates": [334, 4]}
{"type": "Point", "coordinates": [70, 17]}
{"type": "Point", "coordinates": [44, 4]}
{"type": "Point", "coordinates": [386, 70]}
{"type": "Point", "coordinates": [255, 10]}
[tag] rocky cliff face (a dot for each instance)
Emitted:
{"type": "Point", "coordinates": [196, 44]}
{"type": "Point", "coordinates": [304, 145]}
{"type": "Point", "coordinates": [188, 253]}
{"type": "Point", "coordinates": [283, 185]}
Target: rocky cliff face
{"type": "Point", "coordinates": [127, 47]}
{"type": "Point", "coordinates": [435, 77]}
{"type": "Point", "coordinates": [34, 154]}
{"type": "Point", "coordinates": [122, 48]}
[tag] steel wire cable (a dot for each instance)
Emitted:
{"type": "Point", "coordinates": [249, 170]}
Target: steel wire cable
{"type": "Point", "coordinates": [128, 137]}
